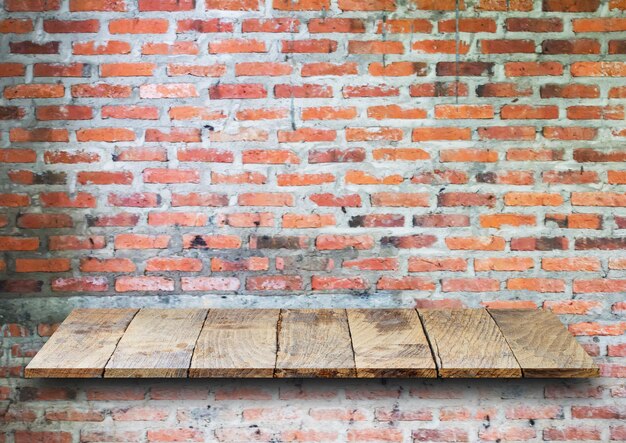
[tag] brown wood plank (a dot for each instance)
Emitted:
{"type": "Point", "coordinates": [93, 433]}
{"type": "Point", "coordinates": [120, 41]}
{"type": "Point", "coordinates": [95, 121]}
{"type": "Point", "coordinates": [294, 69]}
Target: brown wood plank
{"type": "Point", "coordinates": [314, 343]}
{"type": "Point", "coordinates": [157, 343]}
{"type": "Point", "coordinates": [236, 343]}
{"type": "Point", "coordinates": [390, 343]}
{"type": "Point", "coordinates": [82, 345]}
{"type": "Point", "coordinates": [542, 345]}
{"type": "Point", "coordinates": [468, 343]}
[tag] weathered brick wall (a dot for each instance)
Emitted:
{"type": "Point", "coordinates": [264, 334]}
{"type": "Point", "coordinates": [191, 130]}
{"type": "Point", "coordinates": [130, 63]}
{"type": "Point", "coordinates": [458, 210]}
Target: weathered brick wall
{"type": "Point", "coordinates": [318, 153]}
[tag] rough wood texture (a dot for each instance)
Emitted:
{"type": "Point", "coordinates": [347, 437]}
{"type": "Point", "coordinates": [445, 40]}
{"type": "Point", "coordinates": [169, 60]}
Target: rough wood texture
{"type": "Point", "coordinates": [468, 343]}
{"type": "Point", "coordinates": [390, 343]}
{"type": "Point", "coordinates": [236, 343]}
{"type": "Point", "coordinates": [542, 345]}
{"type": "Point", "coordinates": [310, 343]}
{"type": "Point", "coordinates": [314, 343]}
{"type": "Point", "coordinates": [82, 345]}
{"type": "Point", "coordinates": [157, 343]}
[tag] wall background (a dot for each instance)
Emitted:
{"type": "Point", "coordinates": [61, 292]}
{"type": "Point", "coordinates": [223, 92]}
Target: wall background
{"type": "Point", "coordinates": [312, 153]}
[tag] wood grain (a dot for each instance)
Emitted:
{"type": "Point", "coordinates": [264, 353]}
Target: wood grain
{"type": "Point", "coordinates": [311, 343]}
{"type": "Point", "coordinates": [542, 345]}
{"type": "Point", "coordinates": [236, 343]}
{"type": "Point", "coordinates": [82, 345]}
{"type": "Point", "coordinates": [314, 343]}
{"type": "Point", "coordinates": [390, 343]}
{"type": "Point", "coordinates": [157, 343]}
{"type": "Point", "coordinates": [468, 343]}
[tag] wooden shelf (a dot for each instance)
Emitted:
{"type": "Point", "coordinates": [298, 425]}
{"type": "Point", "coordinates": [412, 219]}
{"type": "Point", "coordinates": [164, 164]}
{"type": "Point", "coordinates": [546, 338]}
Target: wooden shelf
{"type": "Point", "coordinates": [329, 343]}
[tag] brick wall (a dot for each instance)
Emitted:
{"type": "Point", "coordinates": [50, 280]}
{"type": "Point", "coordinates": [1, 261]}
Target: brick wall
{"type": "Point", "coordinates": [313, 153]}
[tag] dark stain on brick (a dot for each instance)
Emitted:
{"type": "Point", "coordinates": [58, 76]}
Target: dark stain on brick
{"type": "Point", "coordinates": [27, 47]}
{"type": "Point", "coordinates": [606, 244]}
{"type": "Point", "coordinates": [11, 113]}
{"type": "Point", "coordinates": [560, 219]}
{"type": "Point", "coordinates": [278, 242]}
{"type": "Point", "coordinates": [50, 178]}
{"type": "Point", "coordinates": [20, 286]}
{"type": "Point", "coordinates": [409, 241]}
{"type": "Point", "coordinates": [487, 177]}
{"type": "Point", "coordinates": [471, 69]}
{"type": "Point", "coordinates": [357, 221]}
{"type": "Point", "coordinates": [198, 242]}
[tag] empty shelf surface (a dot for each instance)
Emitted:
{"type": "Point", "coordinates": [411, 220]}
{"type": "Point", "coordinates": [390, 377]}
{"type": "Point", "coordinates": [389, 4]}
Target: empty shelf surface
{"type": "Point", "coordinates": [329, 343]}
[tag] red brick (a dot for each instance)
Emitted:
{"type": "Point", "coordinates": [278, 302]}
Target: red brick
{"type": "Point", "coordinates": [418, 264]}
{"type": "Point", "coordinates": [516, 112]}
{"type": "Point", "coordinates": [274, 283]}
{"type": "Point", "coordinates": [93, 264]}
{"type": "Point", "coordinates": [336, 242]}
{"type": "Point", "coordinates": [571, 434]}
{"type": "Point", "coordinates": [265, 199]}
{"type": "Point", "coordinates": [221, 284]}
{"type": "Point", "coordinates": [409, 241]}
{"type": "Point", "coordinates": [44, 221]}
{"type": "Point", "coordinates": [177, 219]}
{"type": "Point", "coordinates": [374, 47]}
{"type": "Point", "coordinates": [325, 283]}
{"type": "Point", "coordinates": [139, 241]}
{"type": "Point", "coordinates": [166, 5]}
{"type": "Point", "coordinates": [403, 26]}
{"type": "Point", "coordinates": [105, 135]}
{"type": "Point", "coordinates": [127, 284]}
{"type": "Point", "coordinates": [233, 5]}
{"type": "Point", "coordinates": [34, 91]}
{"type": "Point", "coordinates": [249, 264]}
{"type": "Point", "coordinates": [440, 435]}
{"type": "Point", "coordinates": [138, 26]}
{"type": "Point", "coordinates": [176, 48]}
{"type": "Point", "coordinates": [350, 200]}
{"type": "Point", "coordinates": [470, 285]}
{"type": "Point", "coordinates": [237, 91]}
{"type": "Point", "coordinates": [466, 199]}
{"type": "Point", "coordinates": [326, 69]}
{"type": "Point", "coordinates": [329, 113]}
{"type": "Point", "coordinates": [42, 265]}
{"type": "Point", "coordinates": [63, 200]}
{"type": "Point", "coordinates": [332, 25]}
{"type": "Point", "coordinates": [476, 243]}
{"type": "Point", "coordinates": [282, 24]}
{"type": "Point", "coordinates": [431, 134]}
{"type": "Point", "coordinates": [508, 433]}
{"type": "Point", "coordinates": [191, 241]}
{"type": "Point", "coordinates": [301, 5]}
{"type": "Point", "coordinates": [152, 175]}
{"type": "Point", "coordinates": [521, 69]}
{"type": "Point", "coordinates": [274, 156]}
{"type": "Point", "coordinates": [42, 437]}
{"type": "Point", "coordinates": [441, 47]}
{"type": "Point", "coordinates": [82, 284]}
{"type": "Point", "coordinates": [369, 91]}
{"type": "Point", "coordinates": [73, 242]}
{"type": "Point", "coordinates": [395, 112]}
{"type": "Point", "coordinates": [551, 24]}
{"type": "Point", "coordinates": [71, 26]}
{"type": "Point", "coordinates": [536, 284]}
{"type": "Point", "coordinates": [235, 46]}
{"type": "Point", "coordinates": [468, 25]}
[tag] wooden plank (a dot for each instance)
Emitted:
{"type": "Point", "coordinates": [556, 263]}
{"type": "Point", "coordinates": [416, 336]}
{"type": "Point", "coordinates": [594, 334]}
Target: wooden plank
{"type": "Point", "coordinates": [82, 345]}
{"type": "Point", "coordinates": [468, 343]}
{"type": "Point", "coordinates": [314, 343]}
{"type": "Point", "coordinates": [236, 343]}
{"type": "Point", "coordinates": [542, 345]}
{"type": "Point", "coordinates": [390, 343]}
{"type": "Point", "coordinates": [157, 343]}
